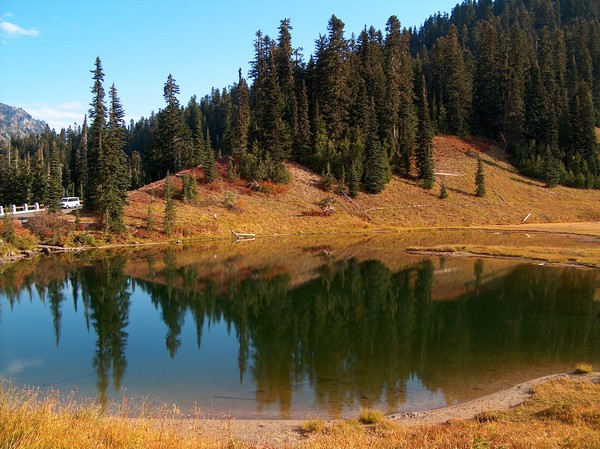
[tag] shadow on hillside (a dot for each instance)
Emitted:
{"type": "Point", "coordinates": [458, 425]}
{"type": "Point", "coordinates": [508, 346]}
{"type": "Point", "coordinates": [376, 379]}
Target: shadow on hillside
{"type": "Point", "coordinates": [495, 164]}
{"type": "Point", "coordinates": [493, 152]}
{"type": "Point", "coordinates": [525, 181]}
{"type": "Point", "coordinates": [460, 192]}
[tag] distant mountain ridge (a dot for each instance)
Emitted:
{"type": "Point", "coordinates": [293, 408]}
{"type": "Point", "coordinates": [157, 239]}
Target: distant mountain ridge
{"type": "Point", "coordinates": [16, 122]}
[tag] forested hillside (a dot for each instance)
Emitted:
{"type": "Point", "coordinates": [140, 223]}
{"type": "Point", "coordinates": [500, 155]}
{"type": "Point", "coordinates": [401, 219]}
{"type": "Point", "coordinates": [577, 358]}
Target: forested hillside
{"type": "Point", "coordinates": [363, 106]}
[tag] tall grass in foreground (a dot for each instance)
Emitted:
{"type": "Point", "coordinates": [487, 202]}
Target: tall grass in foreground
{"type": "Point", "coordinates": [560, 414]}
{"type": "Point", "coordinates": [33, 420]}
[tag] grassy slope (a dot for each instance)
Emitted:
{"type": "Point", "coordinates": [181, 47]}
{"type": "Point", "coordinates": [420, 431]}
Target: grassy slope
{"type": "Point", "coordinates": [510, 198]}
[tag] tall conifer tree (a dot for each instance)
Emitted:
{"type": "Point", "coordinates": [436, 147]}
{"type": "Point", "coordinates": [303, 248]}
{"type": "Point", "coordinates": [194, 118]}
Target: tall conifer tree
{"type": "Point", "coordinates": [332, 74]}
{"type": "Point", "coordinates": [377, 168]}
{"type": "Point", "coordinates": [98, 115]}
{"type": "Point", "coordinates": [453, 82]}
{"type": "Point", "coordinates": [241, 117]}
{"type": "Point", "coordinates": [488, 86]}
{"type": "Point", "coordinates": [113, 169]}
{"type": "Point", "coordinates": [195, 123]}
{"type": "Point", "coordinates": [82, 162]}
{"type": "Point", "coordinates": [285, 76]}
{"type": "Point", "coordinates": [170, 214]}
{"type": "Point", "coordinates": [303, 137]}
{"type": "Point", "coordinates": [424, 152]}
{"type": "Point", "coordinates": [55, 189]}
{"type": "Point", "coordinates": [173, 148]}
{"type": "Point", "coordinates": [514, 108]}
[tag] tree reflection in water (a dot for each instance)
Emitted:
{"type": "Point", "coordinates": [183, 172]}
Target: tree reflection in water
{"type": "Point", "coordinates": [107, 288]}
{"type": "Point", "coordinates": [354, 333]}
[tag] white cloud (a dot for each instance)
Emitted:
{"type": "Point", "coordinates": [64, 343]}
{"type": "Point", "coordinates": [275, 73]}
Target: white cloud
{"type": "Point", "coordinates": [20, 365]}
{"type": "Point", "coordinates": [12, 29]}
{"type": "Point", "coordinates": [57, 116]}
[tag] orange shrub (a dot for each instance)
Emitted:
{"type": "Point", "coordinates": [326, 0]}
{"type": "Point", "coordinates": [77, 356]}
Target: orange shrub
{"type": "Point", "coordinates": [50, 228]}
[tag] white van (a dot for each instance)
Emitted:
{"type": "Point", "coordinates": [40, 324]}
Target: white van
{"type": "Point", "coordinates": [69, 202]}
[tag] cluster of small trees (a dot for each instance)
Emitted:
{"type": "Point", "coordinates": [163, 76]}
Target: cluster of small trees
{"type": "Point", "coordinates": [523, 72]}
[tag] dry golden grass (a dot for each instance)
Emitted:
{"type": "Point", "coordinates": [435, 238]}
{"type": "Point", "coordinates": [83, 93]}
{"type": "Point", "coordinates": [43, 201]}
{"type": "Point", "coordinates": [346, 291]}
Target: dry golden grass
{"type": "Point", "coordinates": [297, 208]}
{"type": "Point", "coordinates": [313, 425]}
{"type": "Point", "coordinates": [561, 413]}
{"type": "Point", "coordinates": [28, 420]}
{"type": "Point", "coordinates": [368, 416]}
{"type": "Point", "coordinates": [559, 255]}
{"type": "Point", "coordinates": [583, 368]}
{"type": "Point", "coordinates": [222, 206]}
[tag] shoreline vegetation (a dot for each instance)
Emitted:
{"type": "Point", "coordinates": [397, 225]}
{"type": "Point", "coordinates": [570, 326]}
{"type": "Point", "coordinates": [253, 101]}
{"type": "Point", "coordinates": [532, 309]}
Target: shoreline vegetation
{"type": "Point", "coordinates": [550, 255]}
{"type": "Point", "coordinates": [561, 410]}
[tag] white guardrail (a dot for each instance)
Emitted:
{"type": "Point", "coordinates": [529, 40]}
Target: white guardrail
{"type": "Point", "coordinates": [22, 210]}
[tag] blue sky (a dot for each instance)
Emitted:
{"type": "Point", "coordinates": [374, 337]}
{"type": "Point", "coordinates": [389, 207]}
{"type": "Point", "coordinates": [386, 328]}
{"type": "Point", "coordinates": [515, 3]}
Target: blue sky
{"type": "Point", "coordinates": [48, 47]}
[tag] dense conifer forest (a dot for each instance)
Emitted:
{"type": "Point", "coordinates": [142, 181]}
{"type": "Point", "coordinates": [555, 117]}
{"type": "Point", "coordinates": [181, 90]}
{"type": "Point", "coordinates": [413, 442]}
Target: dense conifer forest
{"type": "Point", "coordinates": [362, 107]}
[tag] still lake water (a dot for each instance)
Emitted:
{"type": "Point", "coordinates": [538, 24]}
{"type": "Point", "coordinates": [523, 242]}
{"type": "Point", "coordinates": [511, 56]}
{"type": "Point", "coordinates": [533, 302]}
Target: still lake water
{"type": "Point", "coordinates": [291, 328]}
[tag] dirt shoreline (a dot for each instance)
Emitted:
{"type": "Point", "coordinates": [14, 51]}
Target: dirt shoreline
{"type": "Point", "coordinates": [289, 432]}
{"type": "Point", "coordinates": [590, 229]}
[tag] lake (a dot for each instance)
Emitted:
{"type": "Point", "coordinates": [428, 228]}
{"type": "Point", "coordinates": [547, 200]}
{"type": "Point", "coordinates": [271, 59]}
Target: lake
{"type": "Point", "coordinates": [294, 327]}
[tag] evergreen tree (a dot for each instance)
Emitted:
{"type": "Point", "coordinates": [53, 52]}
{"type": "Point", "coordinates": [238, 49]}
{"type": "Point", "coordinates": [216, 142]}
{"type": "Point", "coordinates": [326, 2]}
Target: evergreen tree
{"type": "Point", "coordinates": [479, 179]}
{"type": "Point", "coordinates": [8, 229]}
{"type": "Point", "coordinates": [209, 164]}
{"type": "Point", "coordinates": [241, 118]}
{"type": "Point", "coordinates": [332, 89]}
{"type": "Point", "coordinates": [170, 213]}
{"type": "Point", "coordinates": [136, 170]}
{"type": "Point", "coordinates": [584, 146]}
{"type": "Point", "coordinates": [173, 148]}
{"type": "Point", "coordinates": [536, 110]}
{"type": "Point", "coordinates": [353, 181]}
{"type": "Point", "coordinates": [443, 192]}
{"type": "Point", "coordinates": [189, 190]}
{"type": "Point", "coordinates": [552, 169]}
{"type": "Point", "coordinates": [514, 108]}
{"type": "Point", "coordinates": [453, 82]}
{"type": "Point", "coordinates": [111, 190]}
{"type": "Point", "coordinates": [150, 218]}
{"type": "Point", "coordinates": [371, 69]}
{"type": "Point", "coordinates": [5, 176]}
{"type": "Point", "coordinates": [303, 136]}
{"type": "Point", "coordinates": [196, 125]}
{"type": "Point", "coordinates": [393, 66]}
{"type": "Point", "coordinates": [259, 71]}
{"type": "Point", "coordinates": [400, 95]}
{"type": "Point", "coordinates": [377, 169]}
{"type": "Point", "coordinates": [276, 134]}
{"type": "Point", "coordinates": [82, 162]}
{"type": "Point", "coordinates": [488, 84]}
{"type": "Point", "coordinates": [55, 189]}
{"type": "Point", "coordinates": [232, 174]}
{"type": "Point", "coordinates": [548, 72]}
{"type": "Point", "coordinates": [424, 153]}
{"type": "Point", "coordinates": [98, 115]}
{"type": "Point", "coordinates": [39, 183]}
{"type": "Point", "coordinates": [284, 66]}
{"type": "Point", "coordinates": [327, 179]}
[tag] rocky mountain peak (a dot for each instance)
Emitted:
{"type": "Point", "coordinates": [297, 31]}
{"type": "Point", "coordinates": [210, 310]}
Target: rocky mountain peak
{"type": "Point", "coordinates": [16, 122]}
